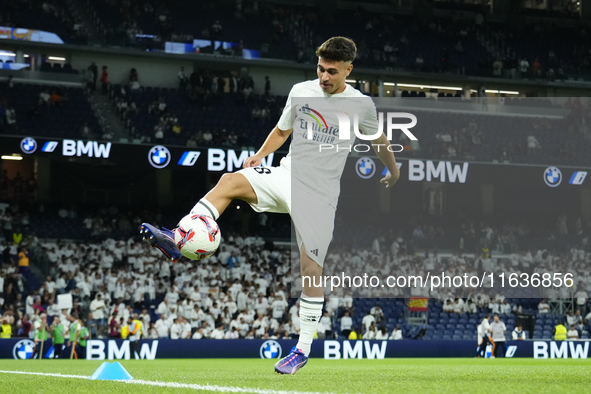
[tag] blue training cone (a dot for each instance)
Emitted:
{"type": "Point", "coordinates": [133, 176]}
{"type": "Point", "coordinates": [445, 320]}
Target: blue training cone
{"type": "Point", "coordinates": [108, 371]}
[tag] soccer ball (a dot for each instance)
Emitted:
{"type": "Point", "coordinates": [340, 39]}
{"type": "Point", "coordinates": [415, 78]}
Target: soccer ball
{"type": "Point", "coordinates": [197, 236]}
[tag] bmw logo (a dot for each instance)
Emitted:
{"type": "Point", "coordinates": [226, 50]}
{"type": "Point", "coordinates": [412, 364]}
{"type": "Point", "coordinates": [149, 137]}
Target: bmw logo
{"type": "Point", "coordinates": [552, 176]}
{"type": "Point", "coordinates": [365, 167]}
{"type": "Point", "coordinates": [28, 145]}
{"type": "Point", "coordinates": [270, 349]}
{"type": "Point", "coordinates": [159, 156]}
{"type": "Point", "coordinates": [23, 349]}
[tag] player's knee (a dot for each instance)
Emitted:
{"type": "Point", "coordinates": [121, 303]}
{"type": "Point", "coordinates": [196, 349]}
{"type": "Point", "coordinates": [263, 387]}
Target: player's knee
{"type": "Point", "coordinates": [227, 179]}
{"type": "Point", "coordinates": [234, 185]}
{"type": "Point", "coordinates": [228, 182]}
{"type": "Point", "coordinates": [311, 269]}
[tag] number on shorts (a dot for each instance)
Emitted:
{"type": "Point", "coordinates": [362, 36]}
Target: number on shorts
{"type": "Point", "coordinates": [262, 170]}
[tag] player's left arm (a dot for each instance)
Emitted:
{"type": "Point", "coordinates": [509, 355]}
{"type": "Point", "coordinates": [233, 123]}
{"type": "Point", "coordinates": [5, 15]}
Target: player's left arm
{"type": "Point", "coordinates": [380, 146]}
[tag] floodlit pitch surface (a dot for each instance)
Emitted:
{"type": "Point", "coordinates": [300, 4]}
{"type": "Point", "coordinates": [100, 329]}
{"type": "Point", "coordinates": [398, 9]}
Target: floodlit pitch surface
{"type": "Point", "coordinates": [319, 376]}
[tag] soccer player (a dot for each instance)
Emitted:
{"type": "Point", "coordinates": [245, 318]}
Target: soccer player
{"type": "Point", "coordinates": [268, 189]}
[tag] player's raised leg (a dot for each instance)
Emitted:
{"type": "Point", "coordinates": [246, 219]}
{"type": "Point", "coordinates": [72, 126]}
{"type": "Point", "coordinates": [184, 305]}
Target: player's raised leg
{"type": "Point", "coordinates": [311, 304]}
{"type": "Point", "coordinates": [229, 187]}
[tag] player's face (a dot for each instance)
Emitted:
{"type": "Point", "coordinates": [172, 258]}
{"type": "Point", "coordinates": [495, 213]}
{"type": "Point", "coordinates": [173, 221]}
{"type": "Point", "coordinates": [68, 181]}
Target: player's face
{"type": "Point", "coordinates": [332, 75]}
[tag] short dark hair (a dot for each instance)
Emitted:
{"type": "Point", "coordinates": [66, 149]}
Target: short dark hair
{"type": "Point", "coordinates": [338, 49]}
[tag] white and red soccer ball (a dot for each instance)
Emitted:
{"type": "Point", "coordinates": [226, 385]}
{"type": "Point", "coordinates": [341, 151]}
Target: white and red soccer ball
{"type": "Point", "coordinates": [197, 236]}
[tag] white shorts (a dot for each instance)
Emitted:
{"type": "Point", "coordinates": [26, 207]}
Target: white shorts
{"type": "Point", "coordinates": [313, 218]}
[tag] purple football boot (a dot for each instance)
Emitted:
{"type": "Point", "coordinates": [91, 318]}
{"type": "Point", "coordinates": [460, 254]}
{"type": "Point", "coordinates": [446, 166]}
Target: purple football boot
{"type": "Point", "coordinates": [161, 239]}
{"type": "Point", "coordinates": [292, 362]}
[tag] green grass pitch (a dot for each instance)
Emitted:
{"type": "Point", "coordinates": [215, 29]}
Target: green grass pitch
{"type": "Point", "coordinates": [319, 376]}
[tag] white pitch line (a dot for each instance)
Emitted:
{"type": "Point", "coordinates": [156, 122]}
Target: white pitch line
{"type": "Point", "coordinates": [221, 389]}
{"type": "Point", "coordinates": [200, 387]}
{"type": "Point", "coordinates": [55, 375]}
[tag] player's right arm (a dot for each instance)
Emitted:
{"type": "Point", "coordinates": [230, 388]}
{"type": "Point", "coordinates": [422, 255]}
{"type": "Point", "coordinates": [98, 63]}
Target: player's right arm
{"type": "Point", "coordinates": [276, 138]}
{"type": "Point", "coordinates": [274, 141]}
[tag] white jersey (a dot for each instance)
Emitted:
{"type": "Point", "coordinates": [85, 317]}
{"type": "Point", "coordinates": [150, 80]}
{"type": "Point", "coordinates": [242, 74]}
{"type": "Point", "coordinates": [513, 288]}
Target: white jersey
{"type": "Point", "coordinates": [484, 329]}
{"type": "Point", "coordinates": [319, 172]}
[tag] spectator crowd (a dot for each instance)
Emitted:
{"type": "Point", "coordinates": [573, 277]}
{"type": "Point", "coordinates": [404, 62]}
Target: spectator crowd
{"type": "Point", "coordinates": [244, 291]}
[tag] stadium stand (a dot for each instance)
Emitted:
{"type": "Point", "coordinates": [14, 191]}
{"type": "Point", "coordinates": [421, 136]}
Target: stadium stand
{"type": "Point", "coordinates": [45, 110]}
{"type": "Point", "coordinates": [234, 119]}
{"type": "Point", "coordinates": [248, 274]}
{"type": "Point", "coordinates": [187, 21]}
{"type": "Point", "coordinates": [185, 117]}
{"type": "Point", "coordinates": [244, 288]}
{"type": "Point", "coordinates": [56, 16]}
{"type": "Point", "coordinates": [285, 32]}
{"type": "Point", "coordinates": [461, 43]}
{"type": "Point", "coordinates": [201, 115]}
